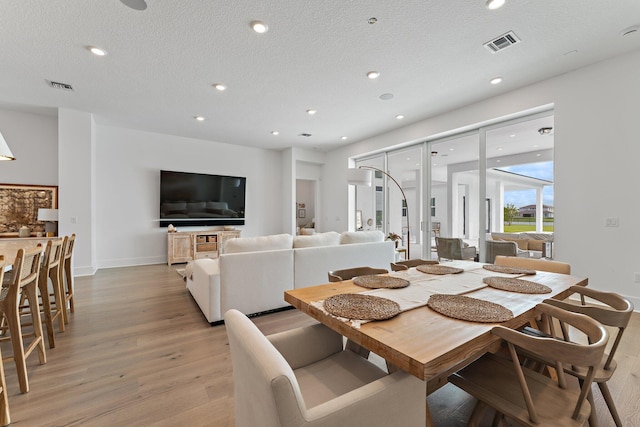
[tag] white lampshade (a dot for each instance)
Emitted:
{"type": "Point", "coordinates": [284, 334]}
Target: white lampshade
{"type": "Point", "coordinates": [47, 214]}
{"type": "Point", "coordinates": [360, 176]}
{"type": "Point", "coordinates": [5, 152]}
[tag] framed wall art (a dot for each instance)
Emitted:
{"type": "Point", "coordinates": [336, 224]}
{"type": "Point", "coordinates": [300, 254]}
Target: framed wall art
{"type": "Point", "coordinates": [19, 206]}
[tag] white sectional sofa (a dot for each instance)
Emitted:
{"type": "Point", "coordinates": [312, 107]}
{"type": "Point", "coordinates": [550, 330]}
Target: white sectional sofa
{"type": "Point", "coordinates": [254, 272]}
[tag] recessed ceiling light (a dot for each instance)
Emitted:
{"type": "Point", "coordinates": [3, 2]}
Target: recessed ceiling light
{"type": "Point", "coordinates": [219, 86]}
{"type": "Point", "coordinates": [494, 4]}
{"type": "Point", "coordinates": [538, 155]}
{"type": "Point", "coordinates": [344, 138]}
{"type": "Point", "coordinates": [452, 149]}
{"type": "Point", "coordinates": [499, 148]}
{"type": "Point", "coordinates": [275, 132]}
{"type": "Point", "coordinates": [259, 27]}
{"type": "Point", "coordinates": [199, 118]}
{"type": "Point", "coordinates": [545, 130]}
{"type": "Point", "coordinates": [399, 117]}
{"type": "Point", "coordinates": [311, 112]}
{"type": "Point", "coordinates": [536, 146]}
{"type": "Point", "coordinates": [498, 161]}
{"type": "Point", "coordinates": [373, 75]}
{"type": "Point", "coordinates": [386, 96]}
{"type": "Point", "coordinates": [135, 4]}
{"type": "Point", "coordinates": [97, 51]}
{"type": "Point", "coordinates": [496, 80]}
{"type": "Point", "coordinates": [372, 20]}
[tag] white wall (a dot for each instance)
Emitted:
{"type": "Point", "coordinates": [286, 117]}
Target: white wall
{"type": "Point", "coordinates": [76, 184]}
{"type": "Point", "coordinates": [596, 155]}
{"type": "Point", "coordinates": [33, 140]}
{"type": "Point", "coordinates": [128, 164]}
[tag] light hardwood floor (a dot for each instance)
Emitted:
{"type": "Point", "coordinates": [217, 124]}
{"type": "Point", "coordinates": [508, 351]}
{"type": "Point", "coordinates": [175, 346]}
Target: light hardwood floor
{"type": "Point", "coordinates": [138, 352]}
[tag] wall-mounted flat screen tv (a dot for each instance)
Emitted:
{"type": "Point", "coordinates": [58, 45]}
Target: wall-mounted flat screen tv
{"type": "Point", "coordinates": [193, 199]}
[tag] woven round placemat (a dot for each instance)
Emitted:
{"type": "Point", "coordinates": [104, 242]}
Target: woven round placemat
{"type": "Point", "coordinates": [516, 285]}
{"type": "Point", "coordinates": [508, 270]}
{"type": "Point", "coordinates": [362, 307]}
{"type": "Point", "coordinates": [438, 269]}
{"type": "Point", "coordinates": [467, 308]}
{"type": "Point", "coordinates": [374, 281]}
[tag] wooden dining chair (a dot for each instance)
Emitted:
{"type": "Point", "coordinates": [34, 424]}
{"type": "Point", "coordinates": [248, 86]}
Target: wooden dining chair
{"type": "Point", "coordinates": [5, 419]}
{"type": "Point", "coordinates": [611, 310]}
{"type": "Point", "coordinates": [528, 396]}
{"type": "Point", "coordinates": [405, 265]}
{"type": "Point", "coordinates": [26, 270]}
{"type": "Point", "coordinates": [350, 273]}
{"type": "Point", "coordinates": [66, 276]}
{"type": "Point", "coordinates": [534, 264]}
{"type": "Point", "coordinates": [51, 298]}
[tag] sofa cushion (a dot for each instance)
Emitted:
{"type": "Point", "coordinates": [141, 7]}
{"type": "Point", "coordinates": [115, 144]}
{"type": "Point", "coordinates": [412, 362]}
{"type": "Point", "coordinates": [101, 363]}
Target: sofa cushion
{"type": "Point", "coordinates": [536, 245]}
{"type": "Point", "coordinates": [523, 244]}
{"type": "Point", "coordinates": [348, 237]}
{"type": "Point", "coordinates": [258, 244]}
{"type": "Point", "coordinates": [330, 238]}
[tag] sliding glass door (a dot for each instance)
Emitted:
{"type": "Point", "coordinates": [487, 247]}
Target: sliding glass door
{"type": "Point", "coordinates": [497, 178]}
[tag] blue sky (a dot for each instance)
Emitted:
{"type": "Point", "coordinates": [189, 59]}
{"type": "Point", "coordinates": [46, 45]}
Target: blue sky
{"type": "Point", "coordinates": [542, 170]}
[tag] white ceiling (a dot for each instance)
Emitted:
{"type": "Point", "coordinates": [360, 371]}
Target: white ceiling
{"type": "Point", "coordinates": [161, 62]}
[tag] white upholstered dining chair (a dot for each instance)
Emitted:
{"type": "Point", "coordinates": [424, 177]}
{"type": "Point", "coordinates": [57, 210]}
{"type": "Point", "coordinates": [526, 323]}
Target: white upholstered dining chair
{"type": "Point", "coordinates": [304, 377]}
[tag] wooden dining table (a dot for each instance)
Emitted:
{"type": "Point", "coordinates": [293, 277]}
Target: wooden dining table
{"type": "Point", "coordinates": [422, 342]}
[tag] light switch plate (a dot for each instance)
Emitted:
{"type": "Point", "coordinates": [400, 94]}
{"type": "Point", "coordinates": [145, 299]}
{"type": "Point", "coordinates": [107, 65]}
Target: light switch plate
{"type": "Point", "coordinates": [611, 221]}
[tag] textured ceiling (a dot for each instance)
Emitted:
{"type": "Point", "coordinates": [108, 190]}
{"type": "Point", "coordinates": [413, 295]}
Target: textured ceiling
{"type": "Point", "coordinates": [162, 62]}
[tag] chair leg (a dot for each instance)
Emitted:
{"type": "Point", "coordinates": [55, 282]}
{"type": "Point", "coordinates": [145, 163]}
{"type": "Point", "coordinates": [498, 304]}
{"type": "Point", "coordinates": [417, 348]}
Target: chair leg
{"type": "Point", "coordinates": [604, 389]}
{"type": "Point", "coordinates": [59, 300]}
{"type": "Point", "coordinates": [48, 321]}
{"type": "Point", "coordinates": [38, 339]}
{"type": "Point", "coordinates": [66, 284]}
{"type": "Point", "coordinates": [13, 321]}
{"type": "Point", "coordinates": [475, 419]}
{"type": "Point", "coordinates": [5, 419]}
{"type": "Point", "coordinates": [593, 417]}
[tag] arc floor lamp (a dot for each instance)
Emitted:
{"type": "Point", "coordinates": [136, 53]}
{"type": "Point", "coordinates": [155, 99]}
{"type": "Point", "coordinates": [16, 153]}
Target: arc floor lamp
{"type": "Point", "coordinates": [363, 175]}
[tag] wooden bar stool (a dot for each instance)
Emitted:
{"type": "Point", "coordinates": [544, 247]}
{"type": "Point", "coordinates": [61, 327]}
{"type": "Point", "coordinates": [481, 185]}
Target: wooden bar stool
{"type": "Point", "coordinates": [66, 282]}
{"type": "Point", "coordinates": [51, 270]}
{"type": "Point", "coordinates": [26, 270]}
{"type": "Point", "coordinates": [5, 419]}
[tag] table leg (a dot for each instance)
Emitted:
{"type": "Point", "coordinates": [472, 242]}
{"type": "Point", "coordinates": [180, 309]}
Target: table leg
{"type": "Point", "coordinates": [358, 349]}
{"type": "Point", "coordinates": [428, 420]}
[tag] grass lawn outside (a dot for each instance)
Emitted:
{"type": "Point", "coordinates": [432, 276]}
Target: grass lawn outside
{"type": "Point", "coordinates": [520, 228]}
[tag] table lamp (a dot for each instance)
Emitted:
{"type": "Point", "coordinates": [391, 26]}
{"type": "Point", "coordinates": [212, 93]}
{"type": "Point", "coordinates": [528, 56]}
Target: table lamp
{"type": "Point", "coordinates": [50, 217]}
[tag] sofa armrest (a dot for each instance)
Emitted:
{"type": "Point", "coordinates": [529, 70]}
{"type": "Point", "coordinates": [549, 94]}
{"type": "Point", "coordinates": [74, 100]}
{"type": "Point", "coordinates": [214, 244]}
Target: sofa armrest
{"type": "Point", "coordinates": [204, 286]}
{"type": "Point", "coordinates": [306, 345]}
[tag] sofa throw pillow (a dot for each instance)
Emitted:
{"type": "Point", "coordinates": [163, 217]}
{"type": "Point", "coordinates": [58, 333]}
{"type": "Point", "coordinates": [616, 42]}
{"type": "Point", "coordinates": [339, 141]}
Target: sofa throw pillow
{"type": "Point", "coordinates": [330, 238]}
{"type": "Point", "coordinates": [258, 244]}
{"type": "Point", "coordinates": [348, 237]}
{"type": "Point", "coordinates": [523, 244]}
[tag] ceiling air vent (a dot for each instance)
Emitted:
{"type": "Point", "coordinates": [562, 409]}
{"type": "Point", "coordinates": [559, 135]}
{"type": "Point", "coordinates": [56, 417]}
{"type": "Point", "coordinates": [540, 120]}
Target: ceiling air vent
{"type": "Point", "coordinates": [58, 85]}
{"type": "Point", "coordinates": [502, 42]}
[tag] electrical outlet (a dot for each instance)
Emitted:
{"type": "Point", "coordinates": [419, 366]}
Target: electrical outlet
{"type": "Point", "coordinates": [636, 277]}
